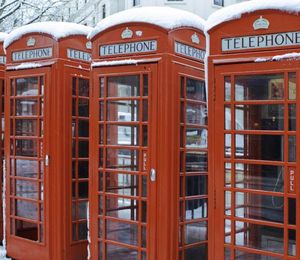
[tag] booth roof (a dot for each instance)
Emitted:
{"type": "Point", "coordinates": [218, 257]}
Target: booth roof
{"type": "Point", "coordinates": [165, 17]}
{"type": "Point", "coordinates": [235, 11]}
{"type": "Point", "coordinates": [57, 30]}
{"type": "Point", "coordinates": [3, 36]}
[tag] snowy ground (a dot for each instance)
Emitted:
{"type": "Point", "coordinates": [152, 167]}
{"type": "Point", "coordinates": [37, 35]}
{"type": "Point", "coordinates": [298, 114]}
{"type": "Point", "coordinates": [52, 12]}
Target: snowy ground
{"type": "Point", "coordinates": [3, 254]}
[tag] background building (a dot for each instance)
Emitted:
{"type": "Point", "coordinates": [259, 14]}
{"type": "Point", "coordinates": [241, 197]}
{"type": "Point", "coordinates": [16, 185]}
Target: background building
{"type": "Point", "coordinates": [90, 12]}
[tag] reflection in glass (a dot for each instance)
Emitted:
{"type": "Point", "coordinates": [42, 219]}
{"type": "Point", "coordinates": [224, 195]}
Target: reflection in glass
{"type": "Point", "coordinates": [27, 168]}
{"type": "Point", "coordinates": [123, 110]}
{"type": "Point", "coordinates": [196, 185]}
{"type": "Point", "coordinates": [195, 89]}
{"type": "Point", "coordinates": [228, 203]}
{"type": "Point", "coordinates": [227, 117]}
{"type": "Point", "coordinates": [195, 209]}
{"type": "Point", "coordinates": [83, 87]}
{"type": "Point", "coordinates": [227, 231]}
{"type": "Point", "coordinates": [292, 242]}
{"type": "Point", "coordinates": [122, 184]}
{"type": "Point", "coordinates": [257, 206]}
{"type": "Point", "coordinates": [26, 107]}
{"type": "Point", "coordinates": [259, 147]}
{"type": "Point", "coordinates": [259, 87]}
{"type": "Point", "coordinates": [122, 232]}
{"type": "Point", "coordinates": [27, 86]}
{"type": "Point", "coordinates": [241, 255]}
{"type": "Point", "coordinates": [83, 128]}
{"type": "Point", "coordinates": [123, 86]}
{"type": "Point", "coordinates": [122, 208]}
{"type": "Point", "coordinates": [83, 107]}
{"type": "Point", "coordinates": [259, 117]}
{"type": "Point", "coordinates": [227, 88]}
{"type": "Point", "coordinates": [195, 232]}
{"type": "Point", "coordinates": [292, 117]}
{"type": "Point", "coordinates": [26, 230]}
{"type": "Point", "coordinates": [292, 211]}
{"type": "Point", "coordinates": [292, 86]}
{"type": "Point", "coordinates": [259, 177]}
{"type": "Point", "coordinates": [83, 149]}
{"type": "Point", "coordinates": [122, 159]}
{"type": "Point", "coordinates": [228, 174]}
{"type": "Point", "coordinates": [196, 138]}
{"type": "Point", "coordinates": [26, 189]}
{"type": "Point", "coordinates": [26, 147]}
{"type": "Point", "coordinates": [259, 237]}
{"type": "Point", "coordinates": [227, 145]}
{"type": "Point", "coordinates": [292, 148]}
{"type": "Point", "coordinates": [196, 114]}
{"type": "Point", "coordinates": [196, 162]}
{"type": "Point", "coordinates": [26, 209]}
{"type": "Point", "coordinates": [26, 127]}
{"type": "Point", "coordinates": [122, 135]}
{"type": "Point", "coordinates": [193, 253]}
{"type": "Point", "coordinates": [120, 253]}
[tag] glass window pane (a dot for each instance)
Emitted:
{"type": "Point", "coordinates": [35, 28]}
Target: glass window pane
{"type": "Point", "coordinates": [122, 159]}
{"type": "Point", "coordinates": [26, 107]}
{"type": "Point", "coordinates": [83, 87]}
{"type": "Point", "coordinates": [195, 232]}
{"type": "Point", "coordinates": [196, 185]}
{"type": "Point", "coordinates": [101, 87]}
{"type": "Point", "coordinates": [259, 117]}
{"type": "Point", "coordinates": [83, 128]}
{"type": "Point", "coordinates": [196, 138]}
{"type": "Point", "coordinates": [123, 86]}
{"type": "Point", "coordinates": [123, 110]}
{"type": "Point", "coordinates": [27, 86]}
{"type": "Point", "coordinates": [83, 107]}
{"type": "Point", "coordinates": [196, 162]}
{"type": "Point", "coordinates": [74, 90]}
{"type": "Point", "coordinates": [26, 127]}
{"type": "Point", "coordinates": [122, 208]}
{"type": "Point", "coordinates": [259, 177]}
{"type": "Point", "coordinates": [83, 169]}
{"type": "Point", "coordinates": [227, 118]}
{"type": "Point", "coordinates": [82, 231]}
{"type": "Point", "coordinates": [227, 89]}
{"type": "Point", "coordinates": [26, 148]}
{"type": "Point", "coordinates": [83, 149]}
{"type": "Point", "coordinates": [27, 168]}
{"type": "Point", "coordinates": [292, 148]}
{"type": "Point", "coordinates": [122, 184]}
{"type": "Point", "coordinates": [292, 211]}
{"type": "Point", "coordinates": [146, 85]}
{"type": "Point", "coordinates": [228, 174]}
{"type": "Point", "coordinates": [82, 209]}
{"type": "Point", "coordinates": [26, 230]}
{"type": "Point", "coordinates": [292, 117]}
{"type": "Point", "coordinates": [259, 147]}
{"type": "Point", "coordinates": [26, 209]}
{"type": "Point", "coordinates": [120, 253]}
{"type": "Point", "coordinates": [259, 87]}
{"type": "Point", "coordinates": [195, 89]}
{"type": "Point", "coordinates": [228, 145]}
{"type": "Point", "coordinates": [26, 189]}
{"type": "Point", "coordinates": [122, 232]}
{"type": "Point", "coordinates": [83, 189]}
{"type": "Point", "coordinates": [227, 230]}
{"type": "Point", "coordinates": [241, 255]}
{"type": "Point", "coordinates": [193, 253]}
{"type": "Point", "coordinates": [196, 114]}
{"type": "Point", "coordinates": [292, 86]}
{"type": "Point", "coordinates": [259, 237]}
{"type": "Point", "coordinates": [292, 242]}
{"type": "Point", "coordinates": [195, 209]}
{"type": "Point", "coordinates": [259, 207]}
{"type": "Point", "coordinates": [122, 135]}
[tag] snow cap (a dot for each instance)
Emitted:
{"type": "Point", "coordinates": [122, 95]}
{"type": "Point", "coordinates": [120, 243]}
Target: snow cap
{"type": "Point", "coordinates": [57, 30]}
{"type": "Point", "coordinates": [235, 11]}
{"type": "Point", "coordinates": [3, 36]}
{"type": "Point", "coordinates": [165, 17]}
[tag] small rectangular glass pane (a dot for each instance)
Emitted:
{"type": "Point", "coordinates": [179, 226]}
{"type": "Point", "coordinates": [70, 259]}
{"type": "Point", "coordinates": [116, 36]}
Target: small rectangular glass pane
{"type": "Point", "coordinates": [196, 161]}
{"type": "Point", "coordinates": [83, 107]}
{"type": "Point", "coordinates": [228, 174]}
{"type": "Point", "coordinates": [83, 87]}
{"type": "Point", "coordinates": [122, 208]}
{"type": "Point", "coordinates": [259, 177]}
{"type": "Point", "coordinates": [27, 86]}
{"type": "Point", "coordinates": [292, 242]}
{"type": "Point", "coordinates": [26, 127]}
{"type": "Point", "coordinates": [122, 135]}
{"type": "Point", "coordinates": [259, 87]}
{"type": "Point", "coordinates": [123, 110]}
{"type": "Point", "coordinates": [195, 232]}
{"type": "Point", "coordinates": [123, 86]}
{"type": "Point", "coordinates": [196, 114]}
{"type": "Point", "coordinates": [227, 89]}
{"type": "Point", "coordinates": [27, 147]}
{"type": "Point", "coordinates": [122, 159]}
{"type": "Point", "coordinates": [196, 185]}
{"type": "Point", "coordinates": [259, 207]}
{"type": "Point", "coordinates": [126, 233]}
{"type": "Point", "coordinates": [27, 168]}
{"type": "Point", "coordinates": [292, 117]}
{"type": "Point", "coordinates": [122, 184]}
{"type": "Point", "coordinates": [292, 213]}
{"type": "Point", "coordinates": [227, 231]}
{"type": "Point", "coordinates": [27, 189]}
{"type": "Point", "coordinates": [292, 148]}
{"type": "Point", "coordinates": [192, 253]}
{"type": "Point", "coordinates": [227, 145]}
{"type": "Point", "coordinates": [121, 253]}
{"type": "Point", "coordinates": [26, 229]}
{"type": "Point", "coordinates": [259, 237]}
{"type": "Point", "coordinates": [83, 128]}
{"type": "Point", "coordinates": [292, 86]}
{"type": "Point", "coordinates": [196, 138]}
{"type": "Point", "coordinates": [259, 147]}
{"type": "Point", "coordinates": [228, 203]}
{"type": "Point", "coordinates": [227, 118]}
{"type": "Point", "coordinates": [195, 209]}
{"type": "Point", "coordinates": [242, 255]}
{"type": "Point", "coordinates": [26, 209]}
{"type": "Point", "coordinates": [259, 117]}
{"type": "Point", "coordinates": [195, 89]}
{"type": "Point", "coordinates": [146, 85]}
{"type": "Point", "coordinates": [26, 107]}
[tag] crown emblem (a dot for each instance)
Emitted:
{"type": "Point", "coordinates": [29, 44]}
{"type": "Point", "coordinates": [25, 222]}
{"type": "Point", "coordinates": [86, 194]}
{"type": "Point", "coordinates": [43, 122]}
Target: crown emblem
{"type": "Point", "coordinates": [30, 42]}
{"type": "Point", "coordinates": [195, 38]}
{"type": "Point", "coordinates": [88, 45]}
{"type": "Point", "coordinates": [261, 23]}
{"type": "Point", "coordinates": [127, 34]}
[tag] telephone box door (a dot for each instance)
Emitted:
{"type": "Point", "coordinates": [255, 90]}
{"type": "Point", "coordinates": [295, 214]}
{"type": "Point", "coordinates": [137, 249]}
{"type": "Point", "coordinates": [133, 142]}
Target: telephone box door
{"type": "Point", "coordinates": [255, 161]}
{"type": "Point", "coordinates": [27, 160]}
{"type": "Point", "coordinates": [123, 162]}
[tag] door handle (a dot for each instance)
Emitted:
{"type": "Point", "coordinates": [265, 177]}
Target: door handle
{"type": "Point", "coordinates": [153, 175]}
{"type": "Point", "coordinates": [46, 160]}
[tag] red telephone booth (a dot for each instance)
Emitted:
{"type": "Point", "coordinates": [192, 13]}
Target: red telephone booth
{"type": "Point", "coordinates": [2, 73]}
{"type": "Point", "coordinates": [148, 196]}
{"type": "Point", "coordinates": [46, 141]}
{"type": "Point", "coordinates": [254, 75]}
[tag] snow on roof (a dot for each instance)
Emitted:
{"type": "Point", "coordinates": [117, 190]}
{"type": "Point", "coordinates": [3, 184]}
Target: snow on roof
{"type": "Point", "coordinates": [57, 30]}
{"type": "Point", "coordinates": [3, 36]}
{"type": "Point", "coordinates": [235, 11]}
{"type": "Point", "coordinates": [165, 17]}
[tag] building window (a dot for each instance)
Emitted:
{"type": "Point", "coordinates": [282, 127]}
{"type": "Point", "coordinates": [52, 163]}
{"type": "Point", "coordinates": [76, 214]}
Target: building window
{"type": "Point", "coordinates": [218, 2]}
{"type": "Point", "coordinates": [103, 11]}
{"type": "Point", "coordinates": [136, 2]}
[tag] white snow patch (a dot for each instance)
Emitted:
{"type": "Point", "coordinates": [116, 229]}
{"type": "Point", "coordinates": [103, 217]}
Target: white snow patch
{"type": "Point", "coordinates": [3, 254]}
{"type": "Point", "coordinates": [27, 65]}
{"type": "Point", "coordinates": [116, 62]}
{"type": "Point", "coordinates": [3, 36]}
{"type": "Point", "coordinates": [165, 17]}
{"type": "Point", "coordinates": [261, 60]}
{"type": "Point", "coordinates": [288, 56]}
{"type": "Point", "coordinates": [57, 30]}
{"type": "Point", "coordinates": [235, 11]}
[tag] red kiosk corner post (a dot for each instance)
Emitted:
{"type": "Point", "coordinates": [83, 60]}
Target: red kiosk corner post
{"type": "Point", "coordinates": [2, 84]}
{"type": "Point", "coordinates": [254, 76]}
{"type": "Point", "coordinates": [46, 145]}
{"type": "Point", "coordinates": [148, 196]}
